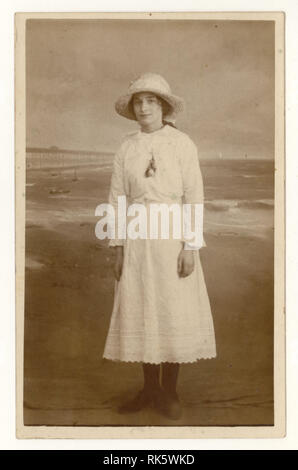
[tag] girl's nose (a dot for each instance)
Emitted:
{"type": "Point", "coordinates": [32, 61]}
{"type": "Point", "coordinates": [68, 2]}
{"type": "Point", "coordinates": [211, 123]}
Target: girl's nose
{"type": "Point", "coordinates": [143, 106]}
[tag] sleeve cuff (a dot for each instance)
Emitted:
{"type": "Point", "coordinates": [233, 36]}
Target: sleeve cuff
{"type": "Point", "coordinates": [194, 246]}
{"type": "Point", "coordinates": [113, 243]}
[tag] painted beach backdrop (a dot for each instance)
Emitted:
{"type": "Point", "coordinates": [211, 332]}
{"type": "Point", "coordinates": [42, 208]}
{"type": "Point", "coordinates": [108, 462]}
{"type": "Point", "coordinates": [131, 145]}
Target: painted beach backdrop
{"type": "Point", "coordinates": [75, 71]}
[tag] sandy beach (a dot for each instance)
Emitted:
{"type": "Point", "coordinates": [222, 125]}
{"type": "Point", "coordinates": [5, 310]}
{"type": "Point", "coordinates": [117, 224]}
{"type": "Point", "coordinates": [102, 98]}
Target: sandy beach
{"type": "Point", "coordinates": [69, 295]}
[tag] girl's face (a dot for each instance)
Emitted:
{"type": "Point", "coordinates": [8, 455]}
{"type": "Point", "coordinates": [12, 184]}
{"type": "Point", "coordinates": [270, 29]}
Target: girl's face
{"type": "Point", "coordinates": [148, 109]}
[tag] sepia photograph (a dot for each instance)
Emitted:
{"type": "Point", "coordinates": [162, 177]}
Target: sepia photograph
{"type": "Point", "coordinates": [149, 170]}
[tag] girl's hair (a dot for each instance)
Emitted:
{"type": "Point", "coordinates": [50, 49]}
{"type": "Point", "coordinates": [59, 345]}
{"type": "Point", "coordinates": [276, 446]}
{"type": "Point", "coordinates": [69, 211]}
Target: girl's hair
{"type": "Point", "coordinates": [169, 123]}
{"type": "Point", "coordinates": [165, 110]}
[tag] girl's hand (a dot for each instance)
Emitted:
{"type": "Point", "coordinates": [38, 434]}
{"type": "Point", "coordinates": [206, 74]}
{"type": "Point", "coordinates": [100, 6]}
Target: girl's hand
{"type": "Point", "coordinates": [118, 262]}
{"type": "Point", "coordinates": [186, 263]}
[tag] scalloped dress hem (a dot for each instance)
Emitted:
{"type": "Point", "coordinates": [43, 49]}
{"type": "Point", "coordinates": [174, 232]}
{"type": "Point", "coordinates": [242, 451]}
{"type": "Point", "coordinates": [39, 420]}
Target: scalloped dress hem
{"type": "Point", "coordinates": [189, 361]}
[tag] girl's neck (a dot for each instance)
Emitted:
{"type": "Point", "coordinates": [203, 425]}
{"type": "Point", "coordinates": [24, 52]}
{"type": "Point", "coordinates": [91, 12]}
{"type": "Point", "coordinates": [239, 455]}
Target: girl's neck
{"type": "Point", "coordinates": [152, 128]}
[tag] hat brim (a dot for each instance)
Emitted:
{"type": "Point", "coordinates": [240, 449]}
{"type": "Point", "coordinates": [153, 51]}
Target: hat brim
{"type": "Point", "coordinates": [124, 108]}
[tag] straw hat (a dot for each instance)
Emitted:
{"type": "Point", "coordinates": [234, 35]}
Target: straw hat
{"type": "Point", "coordinates": [153, 83]}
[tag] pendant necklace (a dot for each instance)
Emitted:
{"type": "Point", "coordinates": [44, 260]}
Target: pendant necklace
{"type": "Point", "coordinates": [151, 168]}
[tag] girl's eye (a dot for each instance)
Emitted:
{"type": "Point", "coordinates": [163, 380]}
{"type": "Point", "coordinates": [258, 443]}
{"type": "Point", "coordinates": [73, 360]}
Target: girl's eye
{"type": "Point", "coordinates": [148, 100]}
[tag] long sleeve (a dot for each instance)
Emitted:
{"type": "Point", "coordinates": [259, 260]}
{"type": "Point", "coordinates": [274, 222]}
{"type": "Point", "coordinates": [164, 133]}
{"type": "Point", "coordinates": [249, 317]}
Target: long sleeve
{"type": "Point", "coordinates": [193, 197]}
{"type": "Point", "coordinates": [117, 190]}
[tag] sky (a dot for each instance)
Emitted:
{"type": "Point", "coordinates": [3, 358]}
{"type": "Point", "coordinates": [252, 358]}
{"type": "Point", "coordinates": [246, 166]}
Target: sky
{"type": "Point", "coordinates": [224, 70]}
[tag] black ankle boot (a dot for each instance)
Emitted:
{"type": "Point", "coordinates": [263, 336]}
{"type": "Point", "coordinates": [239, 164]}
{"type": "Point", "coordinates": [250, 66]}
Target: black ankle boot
{"type": "Point", "coordinates": [168, 404]}
{"type": "Point", "coordinates": [139, 402]}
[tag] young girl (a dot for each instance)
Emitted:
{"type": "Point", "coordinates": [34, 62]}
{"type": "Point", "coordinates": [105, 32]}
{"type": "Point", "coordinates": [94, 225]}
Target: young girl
{"type": "Point", "coordinates": [161, 315]}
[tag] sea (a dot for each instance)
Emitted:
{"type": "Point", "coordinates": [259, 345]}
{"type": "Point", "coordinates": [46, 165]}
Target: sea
{"type": "Point", "coordinates": [239, 194]}
{"type": "Point", "coordinates": [239, 197]}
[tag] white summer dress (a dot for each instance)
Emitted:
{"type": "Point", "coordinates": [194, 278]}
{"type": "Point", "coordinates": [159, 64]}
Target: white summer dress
{"type": "Point", "coordinates": [158, 316]}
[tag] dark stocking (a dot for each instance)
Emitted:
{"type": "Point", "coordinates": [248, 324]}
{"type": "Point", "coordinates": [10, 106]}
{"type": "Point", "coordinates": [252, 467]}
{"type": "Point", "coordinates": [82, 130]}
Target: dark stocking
{"type": "Point", "coordinates": [151, 376]}
{"type": "Point", "coordinates": [170, 372]}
